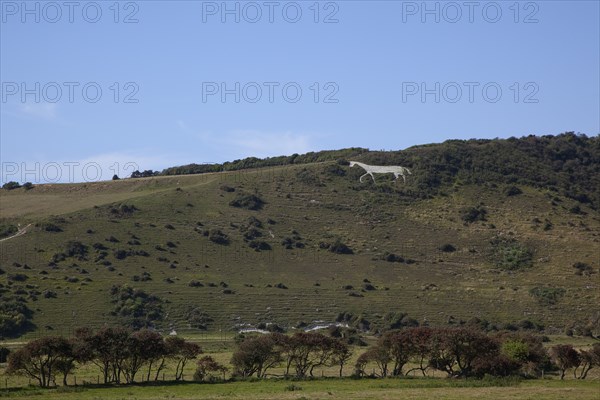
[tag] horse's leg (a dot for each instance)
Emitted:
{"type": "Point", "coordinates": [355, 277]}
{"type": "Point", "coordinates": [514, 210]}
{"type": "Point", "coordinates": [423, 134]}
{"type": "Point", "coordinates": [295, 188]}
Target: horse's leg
{"type": "Point", "coordinates": [362, 176]}
{"type": "Point", "coordinates": [404, 178]}
{"type": "Point", "coordinates": [372, 176]}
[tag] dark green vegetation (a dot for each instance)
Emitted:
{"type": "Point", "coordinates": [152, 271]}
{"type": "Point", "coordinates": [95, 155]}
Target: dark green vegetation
{"type": "Point", "coordinates": [121, 355]}
{"type": "Point", "coordinates": [484, 232]}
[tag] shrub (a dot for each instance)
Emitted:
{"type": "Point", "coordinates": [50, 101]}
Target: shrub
{"type": "Point", "coordinates": [547, 296]}
{"type": "Point", "coordinates": [512, 191]}
{"type": "Point", "coordinates": [448, 248]}
{"type": "Point", "coordinates": [583, 269]}
{"type": "Point", "coordinates": [259, 245]}
{"type": "Point", "coordinates": [248, 202]}
{"type": "Point", "coordinates": [50, 227]}
{"type": "Point", "coordinates": [76, 249]}
{"type": "Point", "coordinates": [511, 255]}
{"type": "Point", "coordinates": [472, 214]}
{"type": "Point", "coordinates": [391, 257]}
{"type": "Point", "coordinates": [197, 318]}
{"type": "Point", "coordinates": [138, 308]}
{"type": "Point", "coordinates": [15, 318]}
{"type": "Point", "coordinates": [11, 185]}
{"type": "Point", "coordinates": [340, 248]}
{"type": "Point", "coordinates": [7, 230]}
{"type": "Point", "coordinates": [218, 237]}
{"type": "Point", "coordinates": [17, 277]}
{"type": "Point", "coordinates": [120, 254]}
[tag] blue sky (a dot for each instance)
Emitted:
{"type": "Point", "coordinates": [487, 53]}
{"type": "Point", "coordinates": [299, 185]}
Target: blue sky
{"type": "Point", "coordinates": [388, 75]}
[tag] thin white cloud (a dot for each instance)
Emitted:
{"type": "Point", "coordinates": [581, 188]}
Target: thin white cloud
{"type": "Point", "coordinates": [39, 110]}
{"type": "Point", "coordinates": [263, 144]}
{"type": "Point", "coordinates": [249, 143]}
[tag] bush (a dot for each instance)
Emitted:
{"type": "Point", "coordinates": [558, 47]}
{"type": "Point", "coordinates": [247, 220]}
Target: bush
{"type": "Point", "coordinates": [15, 318]}
{"type": "Point", "coordinates": [7, 230]}
{"type": "Point", "coordinates": [583, 269]}
{"type": "Point", "coordinates": [511, 255]}
{"type": "Point", "coordinates": [259, 245]}
{"type": "Point", "coordinates": [448, 248]}
{"type": "Point", "coordinates": [218, 237]}
{"type": "Point", "coordinates": [77, 249]}
{"type": "Point", "coordinates": [138, 308]}
{"type": "Point", "coordinates": [512, 191]}
{"type": "Point", "coordinates": [547, 296]}
{"type": "Point", "coordinates": [50, 227]}
{"type": "Point", "coordinates": [28, 186]}
{"type": "Point", "coordinates": [248, 202]}
{"type": "Point", "coordinates": [17, 277]}
{"type": "Point", "coordinates": [473, 214]}
{"type": "Point", "coordinates": [11, 185]}
{"type": "Point", "coordinates": [197, 318]}
{"type": "Point", "coordinates": [391, 257]}
{"type": "Point", "coordinates": [339, 248]}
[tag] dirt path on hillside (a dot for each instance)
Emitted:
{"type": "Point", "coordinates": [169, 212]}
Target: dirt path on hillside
{"type": "Point", "coordinates": [19, 233]}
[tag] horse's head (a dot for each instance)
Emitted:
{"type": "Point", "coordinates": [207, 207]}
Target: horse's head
{"type": "Point", "coordinates": [352, 163]}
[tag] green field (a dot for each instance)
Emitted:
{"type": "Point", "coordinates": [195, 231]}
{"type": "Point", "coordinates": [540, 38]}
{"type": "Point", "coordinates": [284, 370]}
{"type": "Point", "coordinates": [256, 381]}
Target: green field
{"type": "Point", "coordinates": [331, 389]}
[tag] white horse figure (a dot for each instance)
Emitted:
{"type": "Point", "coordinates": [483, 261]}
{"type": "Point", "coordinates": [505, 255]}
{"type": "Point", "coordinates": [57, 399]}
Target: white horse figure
{"type": "Point", "coordinates": [382, 169]}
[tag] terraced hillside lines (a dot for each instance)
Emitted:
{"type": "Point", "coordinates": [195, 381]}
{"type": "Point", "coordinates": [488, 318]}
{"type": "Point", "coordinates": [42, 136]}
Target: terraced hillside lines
{"type": "Point", "coordinates": [301, 243]}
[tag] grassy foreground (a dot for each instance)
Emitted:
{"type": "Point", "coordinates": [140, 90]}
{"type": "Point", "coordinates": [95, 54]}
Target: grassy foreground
{"type": "Point", "coordinates": [440, 389]}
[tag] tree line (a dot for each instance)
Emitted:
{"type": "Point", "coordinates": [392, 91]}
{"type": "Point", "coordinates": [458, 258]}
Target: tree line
{"type": "Point", "coordinates": [123, 355]}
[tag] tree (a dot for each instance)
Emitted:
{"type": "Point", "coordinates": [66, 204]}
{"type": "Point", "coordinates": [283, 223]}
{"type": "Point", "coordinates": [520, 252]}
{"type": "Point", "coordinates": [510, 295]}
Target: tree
{"type": "Point", "coordinates": [564, 356]}
{"type": "Point", "coordinates": [107, 350]}
{"type": "Point", "coordinates": [206, 366]}
{"type": "Point", "coordinates": [525, 349]}
{"type": "Point", "coordinates": [589, 359]}
{"type": "Point", "coordinates": [256, 356]}
{"type": "Point", "coordinates": [457, 351]}
{"type": "Point", "coordinates": [306, 351]}
{"type": "Point", "coordinates": [115, 177]}
{"type": "Point", "coordinates": [182, 351]}
{"type": "Point", "coordinates": [341, 355]}
{"type": "Point", "coordinates": [419, 351]}
{"type": "Point", "coordinates": [399, 346]}
{"type": "Point", "coordinates": [378, 354]}
{"type": "Point", "coordinates": [142, 347]}
{"type": "Point", "coordinates": [38, 359]}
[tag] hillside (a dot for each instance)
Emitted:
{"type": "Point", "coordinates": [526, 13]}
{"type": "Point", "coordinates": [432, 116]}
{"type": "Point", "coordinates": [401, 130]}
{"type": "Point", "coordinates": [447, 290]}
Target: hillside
{"type": "Point", "coordinates": [482, 230]}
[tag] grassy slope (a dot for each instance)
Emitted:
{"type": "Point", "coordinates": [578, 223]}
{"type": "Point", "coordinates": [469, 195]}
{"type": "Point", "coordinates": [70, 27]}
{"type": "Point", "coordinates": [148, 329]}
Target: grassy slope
{"type": "Point", "coordinates": [369, 221]}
